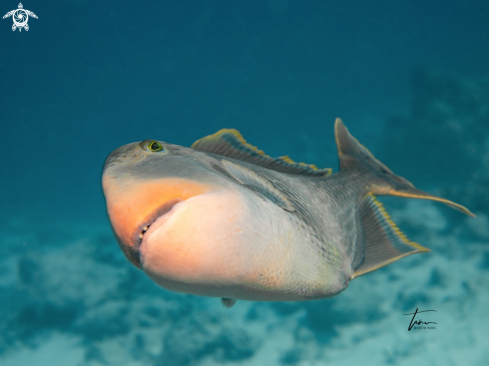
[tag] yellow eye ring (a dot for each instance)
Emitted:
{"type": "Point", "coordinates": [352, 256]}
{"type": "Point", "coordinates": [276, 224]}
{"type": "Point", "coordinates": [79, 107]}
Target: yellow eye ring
{"type": "Point", "coordinates": [155, 146]}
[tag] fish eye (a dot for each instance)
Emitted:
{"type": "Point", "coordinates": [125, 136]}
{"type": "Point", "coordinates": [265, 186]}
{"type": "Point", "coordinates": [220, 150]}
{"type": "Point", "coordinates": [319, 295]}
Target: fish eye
{"type": "Point", "coordinates": [155, 146]}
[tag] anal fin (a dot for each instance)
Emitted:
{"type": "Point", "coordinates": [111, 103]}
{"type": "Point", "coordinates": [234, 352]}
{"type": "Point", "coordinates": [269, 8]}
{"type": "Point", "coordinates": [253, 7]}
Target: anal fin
{"type": "Point", "coordinates": [382, 241]}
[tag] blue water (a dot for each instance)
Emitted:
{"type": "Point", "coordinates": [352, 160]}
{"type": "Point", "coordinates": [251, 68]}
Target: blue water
{"type": "Point", "coordinates": [409, 79]}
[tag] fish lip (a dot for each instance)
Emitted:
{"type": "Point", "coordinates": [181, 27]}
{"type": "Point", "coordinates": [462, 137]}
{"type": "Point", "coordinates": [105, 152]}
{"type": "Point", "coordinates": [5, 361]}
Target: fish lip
{"type": "Point", "coordinates": [147, 222]}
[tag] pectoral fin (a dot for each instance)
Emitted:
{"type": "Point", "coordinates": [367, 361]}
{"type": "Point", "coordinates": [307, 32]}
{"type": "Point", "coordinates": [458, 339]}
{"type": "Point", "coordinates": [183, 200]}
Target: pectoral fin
{"type": "Point", "coordinates": [258, 184]}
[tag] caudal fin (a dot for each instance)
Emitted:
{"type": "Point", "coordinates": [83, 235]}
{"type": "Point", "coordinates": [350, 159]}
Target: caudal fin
{"type": "Point", "coordinates": [380, 180]}
{"type": "Point", "coordinates": [379, 242]}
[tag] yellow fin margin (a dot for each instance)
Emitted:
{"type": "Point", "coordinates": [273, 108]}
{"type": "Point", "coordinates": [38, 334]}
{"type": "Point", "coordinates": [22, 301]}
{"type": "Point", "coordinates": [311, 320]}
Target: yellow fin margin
{"type": "Point", "coordinates": [452, 204]}
{"type": "Point", "coordinates": [397, 232]}
{"type": "Point", "coordinates": [218, 135]}
{"type": "Point", "coordinates": [216, 142]}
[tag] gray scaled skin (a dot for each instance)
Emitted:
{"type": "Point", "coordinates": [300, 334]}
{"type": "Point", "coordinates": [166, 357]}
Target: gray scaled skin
{"type": "Point", "coordinates": [223, 219]}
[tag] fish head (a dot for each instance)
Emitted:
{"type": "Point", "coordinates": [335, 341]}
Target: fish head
{"type": "Point", "coordinates": [170, 210]}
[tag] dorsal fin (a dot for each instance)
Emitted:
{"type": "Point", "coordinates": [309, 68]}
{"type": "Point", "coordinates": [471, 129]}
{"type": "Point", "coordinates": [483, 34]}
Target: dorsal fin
{"type": "Point", "coordinates": [230, 143]}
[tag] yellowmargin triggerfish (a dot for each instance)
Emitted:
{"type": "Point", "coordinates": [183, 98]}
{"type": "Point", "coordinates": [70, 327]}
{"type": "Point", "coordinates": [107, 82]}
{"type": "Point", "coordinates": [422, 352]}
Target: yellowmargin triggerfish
{"type": "Point", "coordinates": [224, 219]}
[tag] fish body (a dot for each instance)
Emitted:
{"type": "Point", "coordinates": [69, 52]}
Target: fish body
{"type": "Point", "coordinates": [223, 219]}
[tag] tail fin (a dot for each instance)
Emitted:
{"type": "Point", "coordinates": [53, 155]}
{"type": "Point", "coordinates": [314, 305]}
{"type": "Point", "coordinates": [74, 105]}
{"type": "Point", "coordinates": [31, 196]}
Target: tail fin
{"type": "Point", "coordinates": [380, 179]}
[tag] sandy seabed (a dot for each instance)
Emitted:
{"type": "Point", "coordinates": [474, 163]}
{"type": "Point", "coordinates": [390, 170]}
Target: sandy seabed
{"type": "Point", "coordinates": [78, 301]}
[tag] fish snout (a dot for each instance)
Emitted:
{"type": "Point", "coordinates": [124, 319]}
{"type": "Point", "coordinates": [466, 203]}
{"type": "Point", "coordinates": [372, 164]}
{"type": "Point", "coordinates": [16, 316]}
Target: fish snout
{"type": "Point", "coordinates": [122, 155]}
{"type": "Point", "coordinates": [135, 204]}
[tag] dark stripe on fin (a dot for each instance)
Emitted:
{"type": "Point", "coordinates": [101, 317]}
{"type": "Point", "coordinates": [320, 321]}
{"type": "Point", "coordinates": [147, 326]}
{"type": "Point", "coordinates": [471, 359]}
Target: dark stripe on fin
{"type": "Point", "coordinates": [382, 241]}
{"type": "Point", "coordinates": [258, 184]}
{"type": "Point", "coordinates": [230, 143]}
{"type": "Point", "coordinates": [380, 179]}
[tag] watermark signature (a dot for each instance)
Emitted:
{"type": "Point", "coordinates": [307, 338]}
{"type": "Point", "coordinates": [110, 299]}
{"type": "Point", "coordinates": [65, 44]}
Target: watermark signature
{"type": "Point", "coordinates": [420, 324]}
{"type": "Point", "coordinates": [20, 17]}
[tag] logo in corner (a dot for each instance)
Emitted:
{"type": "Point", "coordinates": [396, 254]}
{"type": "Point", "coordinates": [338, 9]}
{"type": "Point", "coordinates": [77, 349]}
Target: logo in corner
{"type": "Point", "coordinates": [418, 323]}
{"type": "Point", "coordinates": [20, 17]}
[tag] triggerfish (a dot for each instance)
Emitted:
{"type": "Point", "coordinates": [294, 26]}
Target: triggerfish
{"type": "Point", "coordinates": [224, 219]}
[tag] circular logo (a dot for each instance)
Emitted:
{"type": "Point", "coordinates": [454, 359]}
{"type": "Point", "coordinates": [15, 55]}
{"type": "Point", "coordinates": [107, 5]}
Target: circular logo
{"type": "Point", "coordinates": [20, 18]}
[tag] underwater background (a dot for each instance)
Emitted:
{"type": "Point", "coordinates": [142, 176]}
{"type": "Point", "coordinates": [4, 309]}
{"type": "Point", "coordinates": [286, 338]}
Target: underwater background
{"type": "Point", "coordinates": [410, 79]}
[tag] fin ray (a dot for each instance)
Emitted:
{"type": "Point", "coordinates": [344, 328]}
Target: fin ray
{"type": "Point", "coordinates": [382, 242]}
{"type": "Point", "coordinates": [230, 143]}
{"type": "Point", "coordinates": [380, 179]}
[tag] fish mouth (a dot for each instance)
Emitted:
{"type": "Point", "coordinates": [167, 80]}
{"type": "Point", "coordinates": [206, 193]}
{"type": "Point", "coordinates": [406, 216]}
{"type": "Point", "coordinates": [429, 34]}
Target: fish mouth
{"type": "Point", "coordinates": [145, 227]}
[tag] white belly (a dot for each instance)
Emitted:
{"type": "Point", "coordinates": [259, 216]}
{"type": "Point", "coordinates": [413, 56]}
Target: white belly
{"type": "Point", "coordinates": [234, 244]}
